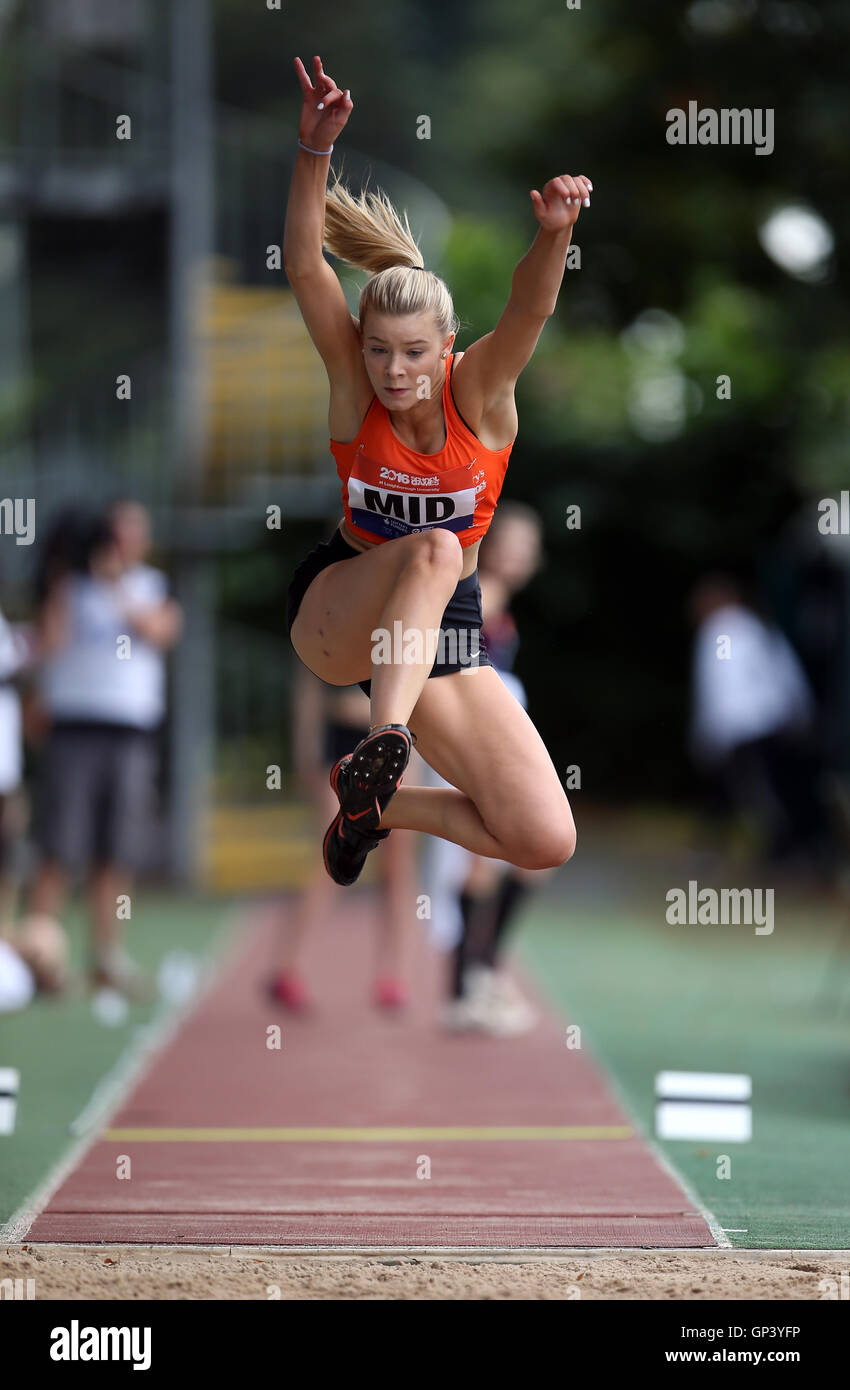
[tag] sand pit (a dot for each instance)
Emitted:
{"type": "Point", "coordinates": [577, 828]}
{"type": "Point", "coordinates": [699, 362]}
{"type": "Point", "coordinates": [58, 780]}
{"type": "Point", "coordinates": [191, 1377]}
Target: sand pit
{"type": "Point", "coordinates": [168, 1272]}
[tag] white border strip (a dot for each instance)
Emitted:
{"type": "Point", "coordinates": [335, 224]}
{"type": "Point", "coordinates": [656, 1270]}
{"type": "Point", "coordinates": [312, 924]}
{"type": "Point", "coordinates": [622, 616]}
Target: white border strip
{"type": "Point", "coordinates": [512, 1253]}
{"type": "Point", "coordinates": [109, 1092]}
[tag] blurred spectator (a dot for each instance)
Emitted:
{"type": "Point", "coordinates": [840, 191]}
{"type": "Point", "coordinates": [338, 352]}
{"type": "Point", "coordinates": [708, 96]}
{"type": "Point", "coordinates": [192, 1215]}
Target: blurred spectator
{"type": "Point", "coordinates": [62, 549]}
{"type": "Point", "coordinates": [328, 723]}
{"type": "Point", "coordinates": [476, 900]}
{"type": "Point", "coordinates": [14, 656]}
{"type": "Point", "coordinates": [33, 959]}
{"type": "Point", "coordinates": [753, 723]}
{"type": "Point", "coordinates": [104, 625]}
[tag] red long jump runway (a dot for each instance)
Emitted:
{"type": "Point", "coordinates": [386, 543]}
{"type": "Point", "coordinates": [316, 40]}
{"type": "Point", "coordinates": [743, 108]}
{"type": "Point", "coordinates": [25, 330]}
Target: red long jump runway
{"type": "Point", "coordinates": [320, 1142]}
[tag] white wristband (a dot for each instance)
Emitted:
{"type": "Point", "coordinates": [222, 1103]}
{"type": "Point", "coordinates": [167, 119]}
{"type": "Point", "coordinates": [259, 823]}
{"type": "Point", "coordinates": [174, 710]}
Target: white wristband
{"type": "Point", "coordinates": [309, 151]}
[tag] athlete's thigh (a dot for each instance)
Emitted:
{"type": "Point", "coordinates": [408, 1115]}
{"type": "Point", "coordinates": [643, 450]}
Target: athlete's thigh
{"type": "Point", "coordinates": [340, 610]}
{"type": "Point", "coordinates": [473, 732]}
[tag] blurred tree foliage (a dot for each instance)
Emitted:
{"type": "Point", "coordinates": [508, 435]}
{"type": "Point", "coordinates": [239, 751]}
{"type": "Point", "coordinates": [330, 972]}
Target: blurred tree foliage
{"type": "Point", "coordinates": [619, 410]}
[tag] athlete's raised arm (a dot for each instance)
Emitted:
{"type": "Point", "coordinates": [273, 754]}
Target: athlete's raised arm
{"type": "Point", "coordinates": [493, 363]}
{"type": "Point", "coordinates": [313, 281]}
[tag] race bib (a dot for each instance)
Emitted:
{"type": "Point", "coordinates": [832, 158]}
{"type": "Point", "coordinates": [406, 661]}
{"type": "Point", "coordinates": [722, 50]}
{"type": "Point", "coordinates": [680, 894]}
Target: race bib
{"type": "Point", "coordinates": [393, 502]}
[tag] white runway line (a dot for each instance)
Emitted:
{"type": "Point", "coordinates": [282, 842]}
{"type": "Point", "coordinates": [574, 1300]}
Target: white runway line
{"type": "Point", "coordinates": [112, 1088]}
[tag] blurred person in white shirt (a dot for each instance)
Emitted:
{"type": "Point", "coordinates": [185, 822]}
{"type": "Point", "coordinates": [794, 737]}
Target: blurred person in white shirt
{"type": "Point", "coordinates": [14, 658]}
{"type": "Point", "coordinates": [753, 722]}
{"type": "Point", "coordinates": [104, 628]}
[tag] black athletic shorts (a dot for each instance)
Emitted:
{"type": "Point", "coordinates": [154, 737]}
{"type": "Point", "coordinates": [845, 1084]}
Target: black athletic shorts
{"type": "Point", "coordinates": [461, 645]}
{"type": "Point", "coordinates": [96, 798]}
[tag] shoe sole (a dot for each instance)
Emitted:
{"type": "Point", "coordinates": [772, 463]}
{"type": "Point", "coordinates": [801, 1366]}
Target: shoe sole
{"type": "Point", "coordinates": [391, 784]}
{"type": "Point", "coordinates": [377, 764]}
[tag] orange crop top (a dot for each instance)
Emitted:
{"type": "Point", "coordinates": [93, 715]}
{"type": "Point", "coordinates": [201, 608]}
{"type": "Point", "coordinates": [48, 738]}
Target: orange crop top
{"type": "Point", "coordinates": [389, 490]}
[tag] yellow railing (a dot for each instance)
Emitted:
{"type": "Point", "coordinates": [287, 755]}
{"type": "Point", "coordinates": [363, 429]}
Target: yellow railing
{"type": "Point", "coordinates": [263, 848]}
{"type": "Point", "coordinates": [266, 391]}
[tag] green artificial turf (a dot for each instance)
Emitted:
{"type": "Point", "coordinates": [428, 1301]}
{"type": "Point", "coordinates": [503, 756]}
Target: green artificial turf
{"type": "Point", "coordinates": [651, 997]}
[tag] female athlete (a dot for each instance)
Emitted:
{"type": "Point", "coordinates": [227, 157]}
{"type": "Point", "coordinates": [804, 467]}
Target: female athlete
{"type": "Point", "coordinates": [421, 438]}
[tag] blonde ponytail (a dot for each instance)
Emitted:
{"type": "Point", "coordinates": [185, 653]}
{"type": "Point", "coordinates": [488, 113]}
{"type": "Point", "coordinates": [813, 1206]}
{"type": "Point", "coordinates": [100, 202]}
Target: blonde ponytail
{"type": "Point", "coordinates": [366, 232]}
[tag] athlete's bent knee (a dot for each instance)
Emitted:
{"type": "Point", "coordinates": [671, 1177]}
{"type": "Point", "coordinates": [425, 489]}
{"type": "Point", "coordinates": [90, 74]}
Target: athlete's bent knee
{"type": "Point", "coordinates": [547, 848]}
{"type": "Point", "coordinates": [437, 547]}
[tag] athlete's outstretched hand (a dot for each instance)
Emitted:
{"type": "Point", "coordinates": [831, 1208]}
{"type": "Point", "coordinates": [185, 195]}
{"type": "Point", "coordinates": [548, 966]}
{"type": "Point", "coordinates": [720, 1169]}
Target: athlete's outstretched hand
{"type": "Point", "coordinates": [320, 127]}
{"type": "Point", "coordinates": [561, 201]}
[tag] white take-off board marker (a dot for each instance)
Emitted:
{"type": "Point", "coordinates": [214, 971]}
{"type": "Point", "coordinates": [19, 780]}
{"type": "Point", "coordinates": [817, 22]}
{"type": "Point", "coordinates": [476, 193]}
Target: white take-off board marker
{"type": "Point", "coordinates": [703, 1105]}
{"type": "Point", "coordinates": [9, 1082]}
